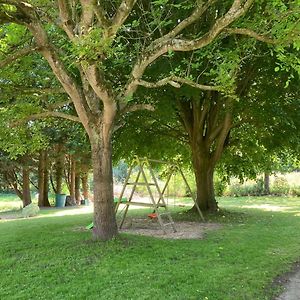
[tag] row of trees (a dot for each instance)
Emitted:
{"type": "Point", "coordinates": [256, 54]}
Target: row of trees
{"type": "Point", "coordinates": [52, 167]}
{"type": "Point", "coordinates": [203, 65]}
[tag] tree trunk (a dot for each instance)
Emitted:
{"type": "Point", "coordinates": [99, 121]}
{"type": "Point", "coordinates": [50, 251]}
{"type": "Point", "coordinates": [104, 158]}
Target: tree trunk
{"type": "Point", "coordinates": [59, 168]}
{"type": "Point", "coordinates": [77, 188]}
{"type": "Point", "coordinates": [204, 174]}
{"type": "Point", "coordinates": [43, 180]}
{"type": "Point", "coordinates": [85, 186]}
{"type": "Point", "coordinates": [11, 180]}
{"type": "Point", "coordinates": [207, 121]}
{"type": "Point", "coordinates": [105, 225]}
{"type": "Point", "coordinates": [267, 183]}
{"type": "Point", "coordinates": [26, 186]}
{"type": "Point", "coordinates": [46, 181]}
{"type": "Point", "coordinates": [72, 179]}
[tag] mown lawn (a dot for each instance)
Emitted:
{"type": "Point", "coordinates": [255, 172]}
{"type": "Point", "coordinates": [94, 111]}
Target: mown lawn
{"type": "Point", "coordinates": [53, 257]}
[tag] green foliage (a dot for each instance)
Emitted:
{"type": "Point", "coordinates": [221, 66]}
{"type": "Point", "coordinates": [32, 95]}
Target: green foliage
{"type": "Point", "coordinates": [177, 187]}
{"type": "Point", "coordinates": [219, 185]}
{"type": "Point", "coordinates": [245, 189]}
{"type": "Point", "coordinates": [120, 171]}
{"type": "Point", "coordinates": [295, 191]}
{"type": "Point", "coordinates": [280, 186]}
{"type": "Point", "coordinates": [91, 46]}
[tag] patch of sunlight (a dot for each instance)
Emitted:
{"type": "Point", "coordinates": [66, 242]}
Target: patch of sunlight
{"type": "Point", "coordinates": [69, 211]}
{"type": "Point", "coordinates": [10, 205]}
{"type": "Point", "coordinates": [268, 207]}
{"type": "Point", "coordinates": [51, 212]}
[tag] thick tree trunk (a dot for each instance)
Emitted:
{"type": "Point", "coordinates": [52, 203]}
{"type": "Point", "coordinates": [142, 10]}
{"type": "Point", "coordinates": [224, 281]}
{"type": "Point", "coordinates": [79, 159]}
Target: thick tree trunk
{"type": "Point", "coordinates": [204, 173]}
{"type": "Point", "coordinates": [26, 186]}
{"type": "Point", "coordinates": [43, 178]}
{"type": "Point", "coordinates": [267, 183]}
{"type": "Point", "coordinates": [105, 225]}
{"type": "Point", "coordinates": [207, 121]}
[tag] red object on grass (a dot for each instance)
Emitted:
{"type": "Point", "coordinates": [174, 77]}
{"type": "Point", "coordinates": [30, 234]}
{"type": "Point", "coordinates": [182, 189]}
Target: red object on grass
{"type": "Point", "coordinates": [152, 216]}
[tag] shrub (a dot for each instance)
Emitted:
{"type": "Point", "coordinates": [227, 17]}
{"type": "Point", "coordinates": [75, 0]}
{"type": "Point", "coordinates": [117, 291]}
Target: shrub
{"type": "Point", "coordinates": [295, 191]}
{"type": "Point", "coordinates": [246, 189]}
{"type": "Point", "coordinates": [280, 186]}
{"type": "Point", "coordinates": [220, 186]}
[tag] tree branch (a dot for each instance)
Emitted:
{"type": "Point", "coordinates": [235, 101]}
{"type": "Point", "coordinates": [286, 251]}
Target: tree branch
{"type": "Point", "coordinates": [87, 16]}
{"type": "Point", "coordinates": [253, 34]}
{"type": "Point", "coordinates": [66, 18]}
{"type": "Point", "coordinates": [70, 86]}
{"type": "Point", "coordinates": [21, 90]}
{"type": "Point", "coordinates": [136, 107]}
{"type": "Point", "coordinates": [221, 137]}
{"type": "Point", "coordinates": [59, 104]}
{"type": "Point", "coordinates": [96, 80]}
{"type": "Point", "coordinates": [196, 15]}
{"type": "Point", "coordinates": [48, 114]}
{"type": "Point", "coordinates": [121, 15]}
{"type": "Point", "coordinates": [163, 45]}
{"type": "Point", "coordinates": [18, 54]}
{"type": "Point", "coordinates": [175, 82]}
{"type": "Point", "coordinates": [101, 15]}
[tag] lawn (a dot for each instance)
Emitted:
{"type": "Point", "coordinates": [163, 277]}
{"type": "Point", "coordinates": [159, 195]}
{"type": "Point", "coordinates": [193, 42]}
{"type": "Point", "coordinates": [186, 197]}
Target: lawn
{"type": "Point", "coordinates": [53, 257]}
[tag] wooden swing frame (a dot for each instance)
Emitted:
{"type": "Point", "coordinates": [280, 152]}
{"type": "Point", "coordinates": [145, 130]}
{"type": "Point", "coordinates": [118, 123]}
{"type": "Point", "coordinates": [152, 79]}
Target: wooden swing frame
{"type": "Point", "coordinates": [158, 203]}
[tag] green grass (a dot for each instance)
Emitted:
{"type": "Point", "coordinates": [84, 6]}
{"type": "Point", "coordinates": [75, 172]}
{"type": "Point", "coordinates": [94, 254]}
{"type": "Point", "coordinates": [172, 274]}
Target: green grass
{"type": "Point", "coordinates": [54, 257]}
{"type": "Point", "coordinates": [9, 202]}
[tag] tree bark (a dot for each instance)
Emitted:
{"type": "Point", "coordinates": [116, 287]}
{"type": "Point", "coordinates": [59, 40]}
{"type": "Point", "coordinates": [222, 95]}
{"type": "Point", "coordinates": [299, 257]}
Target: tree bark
{"type": "Point", "coordinates": [26, 186]}
{"type": "Point", "coordinates": [208, 124]}
{"type": "Point", "coordinates": [59, 168]}
{"type": "Point", "coordinates": [204, 174]}
{"type": "Point", "coordinates": [85, 186]}
{"type": "Point", "coordinates": [11, 180]}
{"type": "Point", "coordinates": [105, 225]}
{"type": "Point", "coordinates": [43, 178]}
{"type": "Point", "coordinates": [72, 179]}
{"type": "Point", "coordinates": [46, 181]}
{"type": "Point", "coordinates": [77, 188]}
{"type": "Point", "coordinates": [267, 183]}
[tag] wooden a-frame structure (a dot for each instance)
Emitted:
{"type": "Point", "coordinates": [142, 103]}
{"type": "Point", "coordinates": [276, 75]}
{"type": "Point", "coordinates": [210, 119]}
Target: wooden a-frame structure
{"type": "Point", "coordinates": [164, 218]}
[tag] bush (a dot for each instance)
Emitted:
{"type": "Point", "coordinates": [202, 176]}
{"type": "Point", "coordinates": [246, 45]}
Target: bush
{"type": "Point", "coordinates": [220, 186]}
{"type": "Point", "coordinates": [30, 210]}
{"type": "Point", "coordinates": [295, 191]}
{"type": "Point", "coordinates": [246, 189]}
{"type": "Point", "coordinates": [280, 186]}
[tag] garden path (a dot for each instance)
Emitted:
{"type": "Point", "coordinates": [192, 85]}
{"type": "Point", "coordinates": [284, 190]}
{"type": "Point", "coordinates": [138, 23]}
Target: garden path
{"type": "Point", "coordinates": [292, 288]}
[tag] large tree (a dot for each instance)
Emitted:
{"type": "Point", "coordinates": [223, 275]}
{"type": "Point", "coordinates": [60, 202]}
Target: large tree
{"type": "Point", "coordinates": [244, 120]}
{"type": "Point", "coordinates": [100, 50]}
